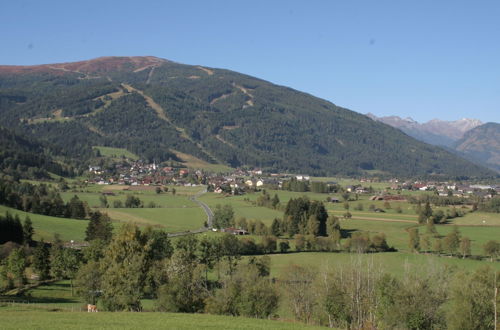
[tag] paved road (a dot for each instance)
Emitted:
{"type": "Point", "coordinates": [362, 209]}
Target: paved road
{"type": "Point", "coordinates": [208, 211]}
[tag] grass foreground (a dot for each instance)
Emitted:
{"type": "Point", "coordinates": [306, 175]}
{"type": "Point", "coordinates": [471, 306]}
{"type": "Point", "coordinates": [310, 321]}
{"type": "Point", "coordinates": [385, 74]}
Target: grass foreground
{"type": "Point", "coordinates": [25, 317]}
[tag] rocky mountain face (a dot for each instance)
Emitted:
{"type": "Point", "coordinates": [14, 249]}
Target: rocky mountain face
{"type": "Point", "coordinates": [161, 110]}
{"type": "Point", "coordinates": [435, 131]}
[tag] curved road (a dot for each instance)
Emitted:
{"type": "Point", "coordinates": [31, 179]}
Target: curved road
{"type": "Point", "coordinates": [208, 212]}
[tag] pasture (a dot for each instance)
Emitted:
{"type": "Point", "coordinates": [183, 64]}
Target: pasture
{"type": "Point", "coordinates": [53, 306]}
{"type": "Point", "coordinates": [29, 317]}
{"type": "Point", "coordinates": [170, 219]}
{"type": "Point", "coordinates": [172, 212]}
{"type": "Point", "coordinates": [395, 263]}
{"type": "Point", "coordinates": [391, 222]}
{"type": "Point", "coordinates": [45, 226]}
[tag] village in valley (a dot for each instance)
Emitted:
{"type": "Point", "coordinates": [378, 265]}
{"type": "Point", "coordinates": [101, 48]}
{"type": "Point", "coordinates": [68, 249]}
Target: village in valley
{"type": "Point", "coordinates": [134, 173]}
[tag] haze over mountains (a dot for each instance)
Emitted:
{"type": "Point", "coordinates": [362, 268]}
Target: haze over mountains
{"type": "Point", "coordinates": [159, 109]}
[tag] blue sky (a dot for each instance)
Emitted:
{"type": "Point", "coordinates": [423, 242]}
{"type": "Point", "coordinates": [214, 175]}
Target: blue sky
{"type": "Point", "coordinates": [423, 59]}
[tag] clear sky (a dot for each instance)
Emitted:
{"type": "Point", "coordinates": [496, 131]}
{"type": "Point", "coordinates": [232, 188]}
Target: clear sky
{"type": "Point", "coordinates": [422, 58]}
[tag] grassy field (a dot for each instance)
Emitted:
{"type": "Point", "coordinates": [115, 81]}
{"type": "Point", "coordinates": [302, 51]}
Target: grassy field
{"type": "Point", "coordinates": [196, 163]}
{"type": "Point", "coordinates": [25, 317]}
{"type": "Point", "coordinates": [116, 152]}
{"type": "Point", "coordinates": [393, 224]}
{"type": "Point", "coordinates": [169, 219]}
{"type": "Point", "coordinates": [390, 262]}
{"type": "Point", "coordinates": [242, 208]}
{"type": "Point", "coordinates": [45, 226]}
{"type": "Point", "coordinates": [52, 306]}
{"type": "Point", "coordinates": [478, 219]}
{"type": "Point", "coordinates": [161, 200]}
{"type": "Point", "coordinates": [172, 212]}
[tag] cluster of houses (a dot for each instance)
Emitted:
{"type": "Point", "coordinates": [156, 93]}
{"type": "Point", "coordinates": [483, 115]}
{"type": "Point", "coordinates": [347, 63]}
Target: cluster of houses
{"type": "Point", "coordinates": [449, 189]}
{"type": "Point", "coordinates": [237, 182]}
{"type": "Point", "coordinates": [141, 173]}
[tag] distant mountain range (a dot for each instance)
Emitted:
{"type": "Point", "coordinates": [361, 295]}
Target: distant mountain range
{"type": "Point", "coordinates": [162, 110]}
{"type": "Point", "coordinates": [436, 132]}
{"type": "Point", "coordinates": [469, 138]}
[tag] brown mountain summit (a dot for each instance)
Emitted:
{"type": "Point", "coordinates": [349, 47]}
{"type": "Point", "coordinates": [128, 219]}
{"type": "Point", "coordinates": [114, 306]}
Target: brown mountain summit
{"type": "Point", "coordinates": [100, 65]}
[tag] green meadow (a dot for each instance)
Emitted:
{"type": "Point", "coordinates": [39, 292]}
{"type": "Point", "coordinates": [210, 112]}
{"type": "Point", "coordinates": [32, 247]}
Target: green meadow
{"type": "Point", "coordinates": [172, 213]}
{"type": "Point", "coordinates": [169, 219]}
{"type": "Point", "coordinates": [45, 226]}
{"type": "Point", "coordinates": [53, 306]}
{"type": "Point", "coordinates": [395, 263]}
{"type": "Point", "coordinates": [28, 317]}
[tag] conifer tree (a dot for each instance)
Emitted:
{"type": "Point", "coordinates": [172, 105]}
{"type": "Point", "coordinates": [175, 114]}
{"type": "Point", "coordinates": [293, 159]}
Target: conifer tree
{"type": "Point", "coordinates": [41, 260]}
{"type": "Point", "coordinates": [28, 231]}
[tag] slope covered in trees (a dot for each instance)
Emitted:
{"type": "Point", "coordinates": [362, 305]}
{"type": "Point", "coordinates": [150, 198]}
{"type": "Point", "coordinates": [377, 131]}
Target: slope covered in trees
{"type": "Point", "coordinates": [482, 144]}
{"type": "Point", "coordinates": [152, 107]}
{"type": "Point", "coordinates": [24, 158]}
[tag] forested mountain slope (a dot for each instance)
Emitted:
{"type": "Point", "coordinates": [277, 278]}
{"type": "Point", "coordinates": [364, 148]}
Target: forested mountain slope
{"type": "Point", "coordinates": [25, 158]}
{"type": "Point", "coordinates": [155, 107]}
{"type": "Point", "coordinates": [482, 143]}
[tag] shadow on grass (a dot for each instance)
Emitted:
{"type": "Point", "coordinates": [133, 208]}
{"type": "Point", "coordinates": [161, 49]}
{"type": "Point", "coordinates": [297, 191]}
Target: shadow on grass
{"type": "Point", "coordinates": [39, 300]}
{"type": "Point", "coordinates": [346, 233]}
{"type": "Point", "coordinates": [53, 293]}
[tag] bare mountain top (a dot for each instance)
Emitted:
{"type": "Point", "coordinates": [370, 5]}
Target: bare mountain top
{"type": "Point", "coordinates": [98, 65]}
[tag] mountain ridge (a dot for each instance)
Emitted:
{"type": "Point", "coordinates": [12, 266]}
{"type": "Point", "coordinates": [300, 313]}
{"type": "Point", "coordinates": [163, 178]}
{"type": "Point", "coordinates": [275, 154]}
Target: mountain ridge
{"type": "Point", "coordinates": [482, 143]}
{"type": "Point", "coordinates": [434, 131]}
{"type": "Point", "coordinates": [216, 115]}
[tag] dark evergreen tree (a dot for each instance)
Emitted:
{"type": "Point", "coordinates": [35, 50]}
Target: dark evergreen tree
{"type": "Point", "coordinates": [41, 260]}
{"type": "Point", "coordinates": [99, 227]}
{"type": "Point", "coordinates": [28, 231]}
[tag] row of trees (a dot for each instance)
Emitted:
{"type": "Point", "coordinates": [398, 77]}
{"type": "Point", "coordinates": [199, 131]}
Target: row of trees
{"type": "Point", "coordinates": [361, 296]}
{"type": "Point", "coordinates": [478, 203]}
{"type": "Point", "coordinates": [40, 199]}
{"type": "Point", "coordinates": [265, 200]}
{"type": "Point", "coordinates": [47, 260]}
{"type": "Point", "coordinates": [453, 243]}
{"type": "Point", "coordinates": [12, 230]}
